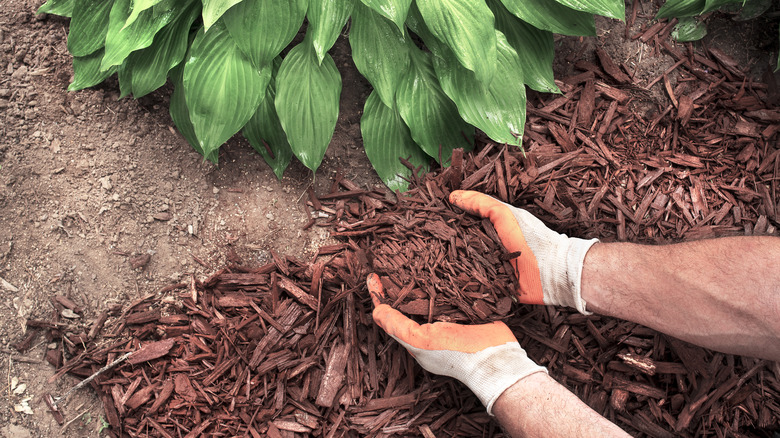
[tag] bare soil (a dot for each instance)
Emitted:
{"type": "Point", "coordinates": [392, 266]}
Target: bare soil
{"type": "Point", "coordinates": [83, 176]}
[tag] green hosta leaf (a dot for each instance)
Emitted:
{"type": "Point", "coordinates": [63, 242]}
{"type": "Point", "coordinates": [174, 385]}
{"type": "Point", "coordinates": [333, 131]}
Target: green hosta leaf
{"type": "Point", "coordinates": [680, 8]}
{"type": "Point", "coordinates": [213, 9]}
{"type": "Point", "coordinates": [181, 115]}
{"type": "Point", "coordinates": [307, 102]}
{"type": "Point", "coordinates": [222, 88]}
{"type": "Point", "coordinates": [326, 19]}
{"type": "Point", "coordinates": [689, 29]}
{"type": "Point", "coordinates": [121, 40]}
{"type": "Point", "coordinates": [151, 65]}
{"type": "Point", "coordinates": [125, 75]}
{"type": "Point", "coordinates": [753, 9]}
{"type": "Point", "coordinates": [393, 10]}
{"type": "Point", "coordinates": [553, 16]}
{"type": "Point", "coordinates": [430, 115]}
{"type": "Point", "coordinates": [711, 5]}
{"type": "Point", "coordinates": [467, 27]}
{"type": "Point", "coordinates": [88, 26]}
{"type": "Point", "coordinates": [265, 133]}
{"type": "Point", "coordinates": [609, 8]}
{"type": "Point", "coordinates": [379, 52]}
{"type": "Point", "coordinates": [63, 8]}
{"type": "Point", "coordinates": [262, 28]}
{"type": "Point", "coordinates": [386, 139]}
{"type": "Point", "coordinates": [498, 109]}
{"type": "Point", "coordinates": [416, 23]}
{"type": "Point", "coordinates": [534, 46]}
{"type": "Point", "coordinates": [86, 71]}
{"type": "Point", "coordinates": [138, 7]}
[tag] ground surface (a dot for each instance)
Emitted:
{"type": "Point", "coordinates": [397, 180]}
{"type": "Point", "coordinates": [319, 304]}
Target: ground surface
{"type": "Point", "coordinates": [83, 176]}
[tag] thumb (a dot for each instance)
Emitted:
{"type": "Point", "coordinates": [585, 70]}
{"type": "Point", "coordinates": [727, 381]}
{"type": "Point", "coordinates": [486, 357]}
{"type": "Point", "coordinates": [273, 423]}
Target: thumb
{"type": "Point", "coordinates": [478, 204]}
{"type": "Point", "coordinates": [393, 322]}
{"type": "Point", "coordinates": [396, 324]}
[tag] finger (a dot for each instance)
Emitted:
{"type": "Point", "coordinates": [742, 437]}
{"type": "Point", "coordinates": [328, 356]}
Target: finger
{"type": "Point", "coordinates": [473, 202]}
{"type": "Point", "coordinates": [500, 215]}
{"type": "Point", "coordinates": [395, 323]}
{"type": "Point", "coordinates": [375, 288]}
{"type": "Point", "coordinates": [511, 235]}
{"type": "Point", "coordinates": [442, 335]}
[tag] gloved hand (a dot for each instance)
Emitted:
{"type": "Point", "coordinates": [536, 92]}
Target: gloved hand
{"type": "Point", "coordinates": [487, 358]}
{"type": "Point", "coordinates": [549, 268]}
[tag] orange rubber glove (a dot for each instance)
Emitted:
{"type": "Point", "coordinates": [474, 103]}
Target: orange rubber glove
{"type": "Point", "coordinates": [487, 358]}
{"type": "Point", "coordinates": [549, 267]}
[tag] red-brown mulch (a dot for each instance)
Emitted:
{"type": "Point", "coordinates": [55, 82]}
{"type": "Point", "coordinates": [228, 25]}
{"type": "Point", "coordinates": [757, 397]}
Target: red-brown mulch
{"type": "Point", "coordinates": [289, 349]}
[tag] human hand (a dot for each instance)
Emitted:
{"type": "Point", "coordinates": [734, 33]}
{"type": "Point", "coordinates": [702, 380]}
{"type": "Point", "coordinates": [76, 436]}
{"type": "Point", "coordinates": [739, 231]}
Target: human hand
{"type": "Point", "coordinates": [487, 358]}
{"type": "Point", "coordinates": [549, 267]}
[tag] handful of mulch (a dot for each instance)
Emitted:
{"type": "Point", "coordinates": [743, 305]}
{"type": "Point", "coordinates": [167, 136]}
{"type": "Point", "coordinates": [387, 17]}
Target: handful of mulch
{"type": "Point", "coordinates": [437, 263]}
{"type": "Point", "coordinates": [440, 264]}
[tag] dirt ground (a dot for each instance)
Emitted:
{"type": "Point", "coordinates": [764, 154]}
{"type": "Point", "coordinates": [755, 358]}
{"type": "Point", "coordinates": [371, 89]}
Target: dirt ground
{"type": "Point", "coordinates": [88, 182]}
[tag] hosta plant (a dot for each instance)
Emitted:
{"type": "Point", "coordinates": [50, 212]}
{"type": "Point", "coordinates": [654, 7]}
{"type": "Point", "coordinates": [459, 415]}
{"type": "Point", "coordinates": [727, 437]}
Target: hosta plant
{"type": "Point", "coordinates": [691, 28]}
{"type": "Point", "coordinates": [439, 68]}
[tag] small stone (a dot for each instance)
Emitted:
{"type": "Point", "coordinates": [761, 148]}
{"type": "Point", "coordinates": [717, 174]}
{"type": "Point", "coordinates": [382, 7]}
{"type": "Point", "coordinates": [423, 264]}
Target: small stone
{"type": "Point", "coordinates": [270, 189]}
{"type": "Point", "coordinates": [67, 313]}
{"type": "Point", "coordinates": [19, 72]}
{"type": "Point", "coordinates": [105, 182]}
{"type": "Point", "coordinates": [164, 216]}
{"type": "Point", "coordinates": [5, 92]}
{"type": "Point", "coordinates": [55, 145]}
{"type": "Point", "coordinates": [140, 261]}
{"type": "Point", "coordinates": [269, 216]}
{"type": "Point", "coordinates": [215, 190]}
{"type": "Point", "coordinates": [24, 407]}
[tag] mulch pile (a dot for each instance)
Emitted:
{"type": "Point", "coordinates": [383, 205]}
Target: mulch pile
{"type": "Point", "coordinates": [289, 349]}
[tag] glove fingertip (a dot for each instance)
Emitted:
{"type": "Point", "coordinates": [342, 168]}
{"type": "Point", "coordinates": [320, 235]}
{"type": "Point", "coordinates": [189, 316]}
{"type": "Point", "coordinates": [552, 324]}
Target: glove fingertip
{"type": "Point", "coordinates": [375, 288]}
{"type": "Point", "coordinates": [455, 196]}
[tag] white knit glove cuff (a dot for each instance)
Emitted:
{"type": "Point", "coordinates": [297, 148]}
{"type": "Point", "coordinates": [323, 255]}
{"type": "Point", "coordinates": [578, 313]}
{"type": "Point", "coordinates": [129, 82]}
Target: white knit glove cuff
{"type": "Point", "coordinates": [488, 373]}
{"type": "Point", "coordinates": [562, 275]}
{"type": "Point", "coordinates": [560, 259]}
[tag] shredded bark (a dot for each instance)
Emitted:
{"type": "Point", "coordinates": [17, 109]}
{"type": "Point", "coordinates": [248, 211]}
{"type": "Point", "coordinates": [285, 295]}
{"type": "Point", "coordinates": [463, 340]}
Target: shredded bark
{"type": "Point", "coordinates": [289, 348]}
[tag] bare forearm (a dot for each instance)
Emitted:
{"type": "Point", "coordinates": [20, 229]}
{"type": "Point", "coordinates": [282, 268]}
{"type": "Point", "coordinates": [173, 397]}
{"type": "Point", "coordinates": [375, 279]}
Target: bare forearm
{"type": "Point", "coordinates": [538, 406]}
{"type": "Point", "coordinates": [722, 294]}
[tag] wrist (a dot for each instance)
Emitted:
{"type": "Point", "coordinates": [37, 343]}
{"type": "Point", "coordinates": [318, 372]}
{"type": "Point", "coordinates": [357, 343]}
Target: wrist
{"type": "Point", "coordinates": [487, 373]}
{"type": "Point", "coordinates": [507, 403]}
{"type": "Point", "coordinates": [538, 406]}
{"type": "Point", "coordinates": [492, 371]}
